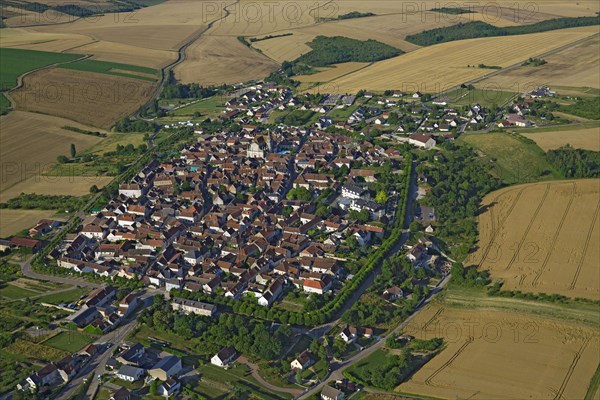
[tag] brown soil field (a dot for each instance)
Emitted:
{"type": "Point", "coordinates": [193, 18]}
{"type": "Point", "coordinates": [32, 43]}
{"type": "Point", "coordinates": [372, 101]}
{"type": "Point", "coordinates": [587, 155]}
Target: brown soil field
{"type": "Point", "coordinates": [577, 66]}
{"type": "Point", "coordinates": [222, 59]}
{"type": "Point", "coordinates": [30, 143]}
{"type": "Point", "coordinates": [55, 185]}
{"type": "Point", "coordinates": [543, 237]}
{"type": "Point", "coordinates": [13, 221]}
{"type": "Point", "coordinates": [439, 67]}
{"type": "Point", "coordinates": [86, 97]}
{"type": "Point", "coordinates": [588, 139]}
{"type": "Point", "coordinates": [495, 354]}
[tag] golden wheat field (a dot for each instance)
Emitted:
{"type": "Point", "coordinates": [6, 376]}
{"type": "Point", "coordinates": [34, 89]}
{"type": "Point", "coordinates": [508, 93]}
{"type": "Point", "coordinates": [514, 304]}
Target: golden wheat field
{"type": "Point", "coordinates": [126, 54]}
{"type": "Point", "coordinates": [543, 237]}
{"type": "Point", "coordinates": [14, 221]}
{"type": "Point", "coordinates": [222, 59]}
{"type": "Point", "coordinates": [490, 353]}
{"type": "Point", "coordinates": [587, 138]}
{"type": "Point", "coordinates": [86, 97]}
{"type": "Point", "coordinates": [439, 67]}
{"type": "Point", "coordinates": [327, 74]}
{"type": "Point", "coordinates": [27, 39]}
{"type": "Point", "coordinates": [578, 66]}
{"type": "Point", "coordinates": [55, 185]}
{"type": "Point", "coordinates": [31, 142]}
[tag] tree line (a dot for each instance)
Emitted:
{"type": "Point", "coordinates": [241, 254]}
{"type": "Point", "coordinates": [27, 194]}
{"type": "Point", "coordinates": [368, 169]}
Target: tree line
{"type": "Point", "coordinates": [478, 29]}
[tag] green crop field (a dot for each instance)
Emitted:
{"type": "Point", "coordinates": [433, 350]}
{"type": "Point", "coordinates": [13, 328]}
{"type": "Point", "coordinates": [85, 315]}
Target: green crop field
{"type": "Point", "coordinates": [110, 68]}
{"type": "Point", "coordinates": [68, 296]}
{"type": "Point", "coordinates": [71, 341]}
{"type": "Point", "coordinates": [516, 159]}
{"type": "Point", "coordinates": [14, 292]}
{"type": "Point", "coordinates": [482, 96]}
{"type": "Point", "coordinates": [15, 62]}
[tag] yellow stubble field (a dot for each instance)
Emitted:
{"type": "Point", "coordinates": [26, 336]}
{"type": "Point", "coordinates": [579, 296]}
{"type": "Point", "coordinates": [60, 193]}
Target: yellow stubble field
{"type": "Point", "coordinates": [543, 237]}
{"type": "Point", "coordinates": [491, 353]}
{"type": "Point", "coordinates": [578, 66]}
{"type": "Point", "coordinates": [13, 221]}
{"type": "Point", "coordinates": [586, 138]}
{"type": "Point", "coordinates": [439, 67]}
{"type": "Point", "coordinates": [30, 143]}
{"type": "Point", "coordinates": [222, 59]}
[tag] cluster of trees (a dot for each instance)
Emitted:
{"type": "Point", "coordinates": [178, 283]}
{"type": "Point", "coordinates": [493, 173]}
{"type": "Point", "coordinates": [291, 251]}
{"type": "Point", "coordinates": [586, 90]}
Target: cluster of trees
{"type": "Point", "coordinates": [84, 131]}
{"type": "Point", "coordinates": [535, 62]}
{"type": "Point", "coordinates": [496, 290]}
{"type": "Point", "coordinates": [468, 277]}
{"type": "Point", "coordinates": [339, 49]}
{"type": "Point", "coordinates": [32, 201]}
{"type": "Point", "coordinates": [385, 374]}
{"type": "Point", "coordinates": [176, 90]}
{"type": "Point", "coordinates": [247, 335]}
{"type": "Point", "coordinates": [458, 183]}
{"type": "Point", "coordinates": [477, 29]}
{"type": "Point", "coordinates": [575, 163]}
{"type": "Point", "coordinates": [135, 125]}
{"type": "Point", "coordinates": [299, 193]}
{"type": "Point", "coordinates": [586, 108]}
{"type": "Point", "coordinates": [452, 10]}
{"type": "Point", "coordinates": [355, 14]}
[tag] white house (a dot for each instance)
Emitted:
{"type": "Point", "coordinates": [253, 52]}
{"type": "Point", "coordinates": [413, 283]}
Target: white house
{"type": "Point", "coordinates": [224, 357]}
{"type": "Point", "coordinates": [129, 373]}
{"type": "Point", "coordinates": [421, 140]}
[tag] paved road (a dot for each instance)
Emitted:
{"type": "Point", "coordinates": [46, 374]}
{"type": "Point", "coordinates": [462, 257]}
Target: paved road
{"type": "Point", "coordinates": [27, 270]}
{"type": "Point", "coordinates": [97, 365]}
{"type": "Point", "coordinates": [339, 368]}
{"type": "Point", "coordinates": [254, 369]}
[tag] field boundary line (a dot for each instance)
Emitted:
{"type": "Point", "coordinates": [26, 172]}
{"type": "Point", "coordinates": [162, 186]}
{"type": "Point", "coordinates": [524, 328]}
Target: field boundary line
{"type": "Point", "coordinates": [529, 225]}
{"type": "Point", "coordinates": [555, 237]}
{"type": "Point", "coordinates": [567, 378]}
{"type": "Point", "coordinates": [497, 229]}
{"type": "Point", "coordinates": [429, 380]}
{"type": "Point", "coordinates": [585, 247]}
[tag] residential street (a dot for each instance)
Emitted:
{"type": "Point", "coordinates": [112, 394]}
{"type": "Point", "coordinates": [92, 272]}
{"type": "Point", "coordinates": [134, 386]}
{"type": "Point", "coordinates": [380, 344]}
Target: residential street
{"type": "Point", "coordinates": [96, 367]}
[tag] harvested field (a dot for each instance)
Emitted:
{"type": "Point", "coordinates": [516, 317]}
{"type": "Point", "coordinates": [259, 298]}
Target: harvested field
{"type": "Point", "coordinates": [442, 66]}
{"type": "Point", "coordinates": [30, 143]}
{"type": "Point", "coordinates": [127, 54]}
{"type": "Point", "coordinates": [13, 221]}
{"type": "Point", "coordinates": [328, 74]}
{"type": "Point", "coordinates": [56, 185]}
{"type": "Point", "coordinates": [89, 98]}
{"type": "Point", "coordinates": [163, 27]}
{"type": "Point", "coordinates": [543, 237]}
{"type": "Point", "coordinates": [495, 354]}
{"type": "Point", "coordinates": [54, 42]}
{"type": "Point", "coordinates": [577, 66]}
{"type": "Point", "coordinates": [587, 138]}
{"type": "Point", "coordinates": [222, 59]}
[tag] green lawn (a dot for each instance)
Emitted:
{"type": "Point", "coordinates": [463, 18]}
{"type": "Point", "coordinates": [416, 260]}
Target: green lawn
{"type": "Point", "coordinates": [342, 114]}
{"type": "Point", "coordinates": [68, 296]}
{"type": "Point", "coordinates": [14, 292]}
{"type": "Point", "coordinates": [110, 68]}
{"type": "Point", "coordinates": [484, 97]}
{"type": "Point", "coordinates": [215, 382]}
{"type": "Point", "coordinates": [515, 159]}
{"type": "Point", "coordinates": [70, 341]}
{"type": "Point", "coordinates": [376, 358]}
{"type": "Point", "coordinates": [15, 62]}
{"type": "Point", "coordinates": [209, 107]}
